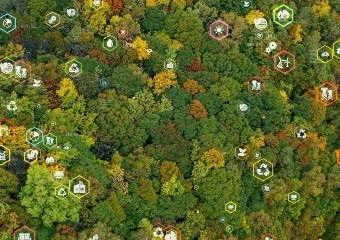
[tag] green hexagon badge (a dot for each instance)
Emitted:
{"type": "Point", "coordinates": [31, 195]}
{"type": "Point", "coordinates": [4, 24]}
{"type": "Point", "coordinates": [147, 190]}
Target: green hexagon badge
{"type": "Point", "coordinates": [50, 140]}
{"type": "Point", "coordinates": [283, 15]}
{"type": "Point", "coordinates": [73, 68]}
{"type": "Point", "coordinates": [293, 197]}
{"type": "Point", "coordinates": [110, 43]}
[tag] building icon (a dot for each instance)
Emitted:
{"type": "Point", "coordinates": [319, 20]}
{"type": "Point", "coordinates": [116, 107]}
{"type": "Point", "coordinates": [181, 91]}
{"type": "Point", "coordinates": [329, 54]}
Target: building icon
{"type": "Point", "coordinates": [24, 236]}
{"type": "Point", "coordinates": [79, 188]}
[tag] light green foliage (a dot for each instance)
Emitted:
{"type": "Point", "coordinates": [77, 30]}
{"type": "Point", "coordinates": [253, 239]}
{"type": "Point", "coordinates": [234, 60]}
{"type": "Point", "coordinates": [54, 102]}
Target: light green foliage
{"type": "Point", "coordinates": [38, 196]}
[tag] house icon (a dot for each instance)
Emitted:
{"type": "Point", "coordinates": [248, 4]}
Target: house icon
{"type": "Point", "coordinates": [79, 188]}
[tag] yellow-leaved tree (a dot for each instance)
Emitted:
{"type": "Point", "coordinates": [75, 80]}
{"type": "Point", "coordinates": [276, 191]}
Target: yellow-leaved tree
{"type": "Point", "coordinates": [141, 47]}
{"type": "Point", "coordinates": [252, 15]}
{"type": "Point", "coordinates": [162, 81]}
{"type": "Point", "coordinates": [295, 33]}
{"type": "Point", "coordinates": [151, 3]}
{"type": "Point", "coordinates": [322, 9]}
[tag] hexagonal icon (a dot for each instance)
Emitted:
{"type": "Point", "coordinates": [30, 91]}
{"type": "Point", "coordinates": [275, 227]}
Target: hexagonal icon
{"type": "Point", "coordinates": [242, 152]}
{"type": "Point", "coordinates": [270, 47]}
{"type": "Point", "coordinates": [66, 147]}
{"type": "Point", "coordinates": [52, 19]}
{"type": "Point", "coordinates": [34, 136]}
{"type": "Point", "coordinates": [5, 155]}
{"type": "Point", "coordinates": [79, 186]}
{"type": "Point", "coordinates": [32, 155]}
{"type": "Point", "coordinates": [246, 4]}
{"type": "Point", "coordinates": [172, 232]}
{"type": "Point", "coordinates": [324, 54]}
{"type": "Point", "coordinates": [49, 160]}
{"type": "Point", "coordinates": [50, 140]}
{"type": "Point", "coordinates": [293, 197]}
{"type": "Point", "coordinates": [8, 23]}
{"type": "Point", "coordinates": [122, 32]}
{"type": "Point", "coordinates": [327, 93]}
{"type": "Point", "coordinates": [219, 30]}
{"type": "Point", "coordinates": [58, 174]}
{"type": "Point", "coordinates": [258, 35]}
{"type": "Point", "coordinates": [157, 231]}
{"type": "Point", "coordinates": [11, 107]}
{"type": "Point", "coordinates": [73, 68]}
{"type": "Point", "coordinates": [7, 127]}
{"type": "Point", "coordinates": [96, 4]}
{"type": "Point", "coordinates": [263, 169]}
{"type": "Point", "coordinates": [104, 83]}
{"type": "Point", "coordinates": [336, 49]}
{"type": "Point", "coordinates": [22, 72]}
{"type": "Point", "coordinates": [283, 15]}
{"type": "Point", "coordinates": [127, 43]}
{"type": "Point", "coordinates": [256, 85]}
{"type": "Point", "coordinates": [230, 207]}
{"type": "Point", "coordinates": [61, 192]}
{"type": "Point", "coordinates": [261, 23]}
{"type": "Point", "coordinates": [269, 34]}
{"type": "Point", "coordinates": [284, 62]}
{"type": "Point", "coordinates": [71, 12]}
{"type": "Point", "coordinates": [170, 64]}
{"type": "Point", "coordinates": [268, 236]}
{"type": "Point", "coordinates": [110, 43]}
{"type": "Point", "coordinates": [6, 68]}
{"type": "Point", "coordinates": [24, 233]}
{"type": "Point", "coordinates": [301, 133]}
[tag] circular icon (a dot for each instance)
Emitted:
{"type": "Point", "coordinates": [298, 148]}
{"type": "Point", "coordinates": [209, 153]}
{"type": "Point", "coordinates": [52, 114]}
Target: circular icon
{"type": "Point", "coordinates": [7, 23]}
{"type": "Point", "coordinates": [260, 23]}
{"type": "Point", "coordinates": [6, 67]}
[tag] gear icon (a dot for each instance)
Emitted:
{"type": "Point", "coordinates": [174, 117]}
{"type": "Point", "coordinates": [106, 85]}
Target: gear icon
{"type": "Point", "coordinates": [272, 45]}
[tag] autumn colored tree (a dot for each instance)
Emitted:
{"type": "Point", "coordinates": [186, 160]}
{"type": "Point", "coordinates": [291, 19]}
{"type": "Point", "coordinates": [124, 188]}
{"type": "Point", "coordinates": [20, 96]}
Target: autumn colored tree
{"type": "Point", "coordinates": [162, 81]}
{"type": "Point", "coordinates": [295, 32]}
{"type": "Point", "coordinates": [196, 65]}
{"type": "Point", "coordinates": [197, 110]}
{"type": "Point", "coordinates": [193, 87]}
{"type": "Point", "coordinates": [116, 6]}
{"type": "Point", "coordinates": [252, 15]}
{"type": "Point", "coordinates": [141, 47]}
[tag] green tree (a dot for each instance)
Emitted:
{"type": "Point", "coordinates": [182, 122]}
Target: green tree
{"type": "Point", "coordinates": [38, 196]}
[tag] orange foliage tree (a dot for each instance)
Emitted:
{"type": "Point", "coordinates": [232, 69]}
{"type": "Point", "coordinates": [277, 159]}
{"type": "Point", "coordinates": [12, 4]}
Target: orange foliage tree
{"type": "Point", "coordinates": [116, 6]}
{"type": "Point", "coordinates": [193, 87]}
{"type": "Point", "coordinates": [196, 65]}
{"type": "Point", "coordinates": [198, 110]}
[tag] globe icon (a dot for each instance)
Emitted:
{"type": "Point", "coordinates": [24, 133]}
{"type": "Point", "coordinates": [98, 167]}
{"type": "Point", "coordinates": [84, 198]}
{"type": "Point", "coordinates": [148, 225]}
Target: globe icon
{"type": "Point", "coordinates": [7, 23]}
